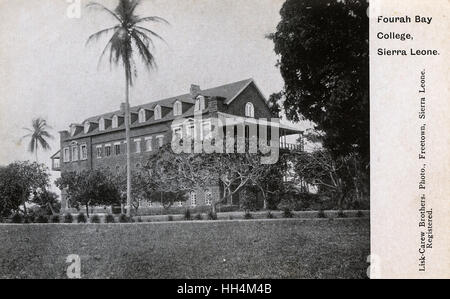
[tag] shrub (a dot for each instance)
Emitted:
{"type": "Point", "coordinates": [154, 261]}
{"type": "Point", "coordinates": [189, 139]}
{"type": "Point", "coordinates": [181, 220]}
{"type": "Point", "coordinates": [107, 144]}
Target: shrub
{"type": "Point", "coordinates": [41, 219]}
{"type": "Point", "coordinates": [247, 200]}
{"type": "Point", "coordinates": [248, 215]}
{"type": "Point", "coordinates": [230, 217]}
{"type": "Point", "coordinates": [170, 218]}
{"type": "Point", "coordinates": [198, 216]}
{"type": "Point", "coordinates": [109, 219]}
{"type": "Point", "coordinates": [68, 218]}
{"type": "Point", "coordinates": [359, 214]}
{"type": "Point", "coordinates": [341, 214]}
{"type": "Point", "coordinates": [299, 201]}
{"type": "Point", "coordinates": [95, 219]}
{"type": "Point", "coordinates": [187, 215]}
{"type": "Point", "coordinates": [17, 218]}
{"type": "Point", "coordinates": [29, 218]}
{"type": "Point", "coordinates": [139, 219]}
{"type": "Point", "coordinates": [55, 219]}
{"type": "Point", "coordinates": [321, 214]}
{"type": "Point", "coordinates": [270, 215]}
{"type": "Point", "coordinates": [287, 213]}
{"type": "Point", "coordinates": [81, 218]}
{"type": "Point", "coordinates": [123, 218]}
{"type": "Point", "coordinates": [212, 216]}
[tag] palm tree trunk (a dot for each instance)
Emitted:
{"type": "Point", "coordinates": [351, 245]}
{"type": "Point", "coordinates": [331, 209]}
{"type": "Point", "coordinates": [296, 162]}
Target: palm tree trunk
{"type": "Point", "coordinates": [35, 152]}
{"type": "Point", "coordinates": [128, 145]}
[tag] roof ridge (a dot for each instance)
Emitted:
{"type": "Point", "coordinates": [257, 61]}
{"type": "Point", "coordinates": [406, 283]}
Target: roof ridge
{"type": "Point", "coordinates": [180, 97]}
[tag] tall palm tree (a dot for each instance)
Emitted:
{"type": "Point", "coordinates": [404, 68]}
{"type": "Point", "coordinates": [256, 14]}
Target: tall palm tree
{"type": "Point", "coordinates": [128, 36]}
{"type": "Point", "coordinates": [38, 135]}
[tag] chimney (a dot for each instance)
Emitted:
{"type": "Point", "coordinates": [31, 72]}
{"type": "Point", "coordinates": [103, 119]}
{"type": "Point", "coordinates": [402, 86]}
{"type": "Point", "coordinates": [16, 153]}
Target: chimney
{"type": "Point", "coordinates": [195, 90]}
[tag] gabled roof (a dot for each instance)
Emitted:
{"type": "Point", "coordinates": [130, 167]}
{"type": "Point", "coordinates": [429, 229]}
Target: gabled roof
{"type": "Point", "coordinates": [227, 91]}
{"type": "Point", "coordinates": [56, 155]}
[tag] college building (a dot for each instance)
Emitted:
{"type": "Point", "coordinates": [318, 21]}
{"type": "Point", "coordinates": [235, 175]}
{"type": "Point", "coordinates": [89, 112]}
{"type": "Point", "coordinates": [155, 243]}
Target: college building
{"type": "Point", "coordinates": [99, 141]}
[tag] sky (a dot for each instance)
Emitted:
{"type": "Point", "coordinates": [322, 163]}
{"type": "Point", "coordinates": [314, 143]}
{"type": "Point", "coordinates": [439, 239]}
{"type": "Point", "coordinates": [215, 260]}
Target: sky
{"type": "Point", "coordinates": [46, 70]}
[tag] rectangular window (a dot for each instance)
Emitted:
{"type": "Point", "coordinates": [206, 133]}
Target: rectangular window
{"type": "Point", "coordinates": [208, 198]}
{"type": "Point", "coordinates": [191, 131]}
{"type": "Point", "coordinates": [66, 155]}
{"type": "Point", "coordinates": [177, 133]}
{"type": "Point", "coordinates": [148, 144]}
{"type": "Point", "coordinates": [160, 140]}
{"type": "Point", "coordinates": [74, 153]}
{"type": "Point", "coordinates": [107, 150]}
{"type": "Point", "coordinates": [138, 145]}
{"type": "Point", "coordinates": [99, 151]}
{"type": "Point", "coordinates": [193, 199]}
{"type": "Point", "coordinates": [117, 148]}
{"type": "Point", "coordinates": [83, 148]}
{"type": "Point", "coordinates": [206, 130]}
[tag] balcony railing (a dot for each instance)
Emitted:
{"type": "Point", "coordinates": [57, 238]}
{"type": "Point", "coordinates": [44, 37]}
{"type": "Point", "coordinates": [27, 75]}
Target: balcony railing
{"type": "Point", "coordinates": [291, 146]}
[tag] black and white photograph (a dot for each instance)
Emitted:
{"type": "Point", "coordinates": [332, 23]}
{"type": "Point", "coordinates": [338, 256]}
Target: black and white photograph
{"type": "Point", "coordinates": [198, 139]}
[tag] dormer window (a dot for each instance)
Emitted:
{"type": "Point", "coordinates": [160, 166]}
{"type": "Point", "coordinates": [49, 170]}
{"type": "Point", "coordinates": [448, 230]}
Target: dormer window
{"type": "Point", "coordinates": [115, 121]}
{"type": "Point", "coordinates": [86, 127]}
{"type": "Point", "coordinates": [73, 130]}
{"type": "Point", "coordinates": [101, 124]}
{"type": "Point", "coordinates": [142, 116]}
{"type": "Point", "coordinates": [157, 112]}
{"type": "Point", "coordinates": [199, 103]}
{"type": "Point", "coordinates": [249, 110]}
{"type": "Point", "coordinates": [177, 108]}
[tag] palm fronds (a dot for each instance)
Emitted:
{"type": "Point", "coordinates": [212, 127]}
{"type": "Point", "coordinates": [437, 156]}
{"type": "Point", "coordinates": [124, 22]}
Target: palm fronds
{"type": "Point", "coordinates": [128, 37]}
{"type": "Point", "coordinates": [38, 133]}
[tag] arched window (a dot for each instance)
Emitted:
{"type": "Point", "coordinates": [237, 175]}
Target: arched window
{"type": "Point", "coordinates": [177, 108]}
{"type": "Point", "coordinates": [142, 117]}
{"type": "Point", "coordinates": [86, 127]}
{"type": "Point", "coordinates": [101, 124]}
{"type": "Point", "coordinates": [249, 110]}
{"type": "Point", "coordinates": [199, 103]}
{"type": "Point", "coordinates": [157, 112]}
{"type": "Point", "coordinates": [115, 121]}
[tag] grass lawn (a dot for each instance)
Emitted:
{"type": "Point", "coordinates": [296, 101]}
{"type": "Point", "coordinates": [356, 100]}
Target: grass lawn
{"type": "Point", "coordinates": [230, 249]}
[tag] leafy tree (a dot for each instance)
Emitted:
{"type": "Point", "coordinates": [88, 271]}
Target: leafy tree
{"type": "Point", "coordinates": [168, 177]}
{"type": "Point", "coordinates": [38, 135]}
{"type": "Point", "coordinates": [89, 188]}
{"type": "Point", "coordinates": [324, 60]}
{"type": "Point", "coordinates": [337, 178]}
{"type": "Point", "coordinates": [180, 173]}
{"type": "Point", "coordinates": [128, 37]}
{"type": "Point", "coordinates": [270, 181]}
{"type": "Point", "coordinates": [48, 201]}
{"type": "Point", "coordinates": [20, 180]}
{"type": "Point", "coordinates": [142, 183]}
